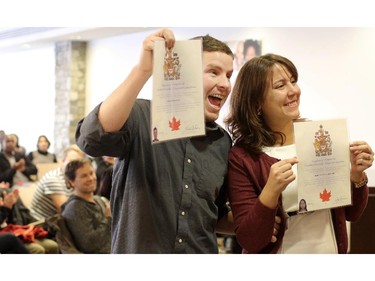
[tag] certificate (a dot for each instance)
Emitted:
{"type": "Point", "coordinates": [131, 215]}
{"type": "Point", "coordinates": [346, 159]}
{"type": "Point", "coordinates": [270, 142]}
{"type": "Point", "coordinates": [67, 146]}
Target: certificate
{"type": "Point", "coordinates": [177, 107]}
{"type": "Point", "coordinates": [323, 170]}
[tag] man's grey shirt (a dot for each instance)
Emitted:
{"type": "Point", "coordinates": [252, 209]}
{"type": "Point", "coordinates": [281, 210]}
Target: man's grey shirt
{"type": "Point", "coordinates": [166, 197]}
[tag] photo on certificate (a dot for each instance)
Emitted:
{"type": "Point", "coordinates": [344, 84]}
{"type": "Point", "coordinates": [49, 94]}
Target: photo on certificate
{"type": "Point", "coordinates": [323, 170]}
{"type": "Point", "coordinates": [177, 107]}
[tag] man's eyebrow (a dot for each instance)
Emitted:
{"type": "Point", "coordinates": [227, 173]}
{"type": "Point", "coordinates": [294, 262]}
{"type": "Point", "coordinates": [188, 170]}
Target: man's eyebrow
{"type": "Point", "coordinates": [213, 65]}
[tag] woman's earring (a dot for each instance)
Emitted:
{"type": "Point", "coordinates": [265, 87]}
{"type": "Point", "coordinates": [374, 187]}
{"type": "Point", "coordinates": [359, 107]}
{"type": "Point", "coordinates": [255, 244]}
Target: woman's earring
{"type": "Point", "coordinates": [259, 112]}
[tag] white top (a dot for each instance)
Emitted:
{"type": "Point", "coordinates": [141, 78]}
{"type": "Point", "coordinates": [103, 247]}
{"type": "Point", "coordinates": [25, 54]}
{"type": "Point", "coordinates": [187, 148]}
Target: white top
{"type": "Point", "coordinates": [308, 233]}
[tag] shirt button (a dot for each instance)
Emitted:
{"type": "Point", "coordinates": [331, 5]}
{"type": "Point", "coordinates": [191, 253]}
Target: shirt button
{"type": "Point", "coordinates": [180, 240]}
{"type": "Point", "coordinates": [183, 213]}
{"type": "Point", "coordinates": [189, 161]}
{"type": "Point", "coordinates": [186, 186]}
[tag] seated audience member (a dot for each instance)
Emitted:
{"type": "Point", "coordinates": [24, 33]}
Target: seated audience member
{"type": "Point", "coordinates": [10, 244]}
{"type": "Point", "coordinates": [51, 191]}
{"type": "Point", "coordinates": [15, 168]}
{"type": "Point", "coordinates": [20, 149]}
{"type": "Point", "coordinates": [100, 165]}
{"type": "Point", "coordinates": [42, 155]}
{"type": "Point", "coordinates": [86, 215]}
{"type": "Point", "coordinates": [105, 184]}
{"type": "Point", "coordinates": [13, 215]}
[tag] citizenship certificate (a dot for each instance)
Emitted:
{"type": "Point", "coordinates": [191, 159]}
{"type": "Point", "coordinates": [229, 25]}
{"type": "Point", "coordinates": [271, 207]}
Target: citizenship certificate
{"type": "Point", "coordinates": [177, 107]}
{"type": "Point", "coordinates": [323, 170]}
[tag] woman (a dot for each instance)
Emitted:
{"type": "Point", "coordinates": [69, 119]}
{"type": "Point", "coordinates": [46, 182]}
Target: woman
{"type": "Point", "coordinates": [42, 155]}
{"type": "Point", "coordinates": [265, 102]}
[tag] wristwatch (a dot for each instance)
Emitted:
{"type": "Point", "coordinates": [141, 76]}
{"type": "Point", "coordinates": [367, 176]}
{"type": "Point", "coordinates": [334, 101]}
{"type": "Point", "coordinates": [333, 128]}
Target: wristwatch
{"type": "Point", "coordinates": [362, 183]}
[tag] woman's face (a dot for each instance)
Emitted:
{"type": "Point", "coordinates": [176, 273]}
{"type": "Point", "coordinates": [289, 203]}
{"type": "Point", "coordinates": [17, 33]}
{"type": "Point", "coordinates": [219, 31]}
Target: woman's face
{"type": "Point", "coordinates": [282, 97]}
{"type": "Point", "coordinates": [43, 144]}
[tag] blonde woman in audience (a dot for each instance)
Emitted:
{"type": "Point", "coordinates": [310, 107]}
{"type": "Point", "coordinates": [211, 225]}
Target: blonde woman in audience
{"type": "Point", "coordinates": [42, 155]}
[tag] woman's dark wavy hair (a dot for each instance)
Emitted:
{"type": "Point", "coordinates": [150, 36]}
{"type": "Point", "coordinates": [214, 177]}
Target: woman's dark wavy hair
{"type": "Point", "coordinates": [245, 121]}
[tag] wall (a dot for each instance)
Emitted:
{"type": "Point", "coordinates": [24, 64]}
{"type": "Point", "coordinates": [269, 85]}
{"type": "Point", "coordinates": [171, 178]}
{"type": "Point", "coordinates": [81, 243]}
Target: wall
{"type": "Point", "coordinates": [27, 94]}
{"type": "Point", "coordinates": [335, 67]}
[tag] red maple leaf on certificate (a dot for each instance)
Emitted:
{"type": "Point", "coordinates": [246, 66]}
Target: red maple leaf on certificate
{"type": "Point", "coordinates": [174, 125]}
{"type": "Point", "coordinates": [325, 196]}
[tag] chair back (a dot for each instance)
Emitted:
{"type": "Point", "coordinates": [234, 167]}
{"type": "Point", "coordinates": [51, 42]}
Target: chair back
{"type": "Point", "coordinates": [46, 167]}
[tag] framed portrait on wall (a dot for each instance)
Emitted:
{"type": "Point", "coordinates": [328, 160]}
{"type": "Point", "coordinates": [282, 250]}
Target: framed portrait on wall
{"type": "Point", "coordinates": [244, 50]}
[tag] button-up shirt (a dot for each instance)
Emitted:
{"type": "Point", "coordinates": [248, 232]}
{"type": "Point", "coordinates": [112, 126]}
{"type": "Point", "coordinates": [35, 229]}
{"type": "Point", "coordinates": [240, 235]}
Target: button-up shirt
{"type": "Point", "coordinates": [166, 197]}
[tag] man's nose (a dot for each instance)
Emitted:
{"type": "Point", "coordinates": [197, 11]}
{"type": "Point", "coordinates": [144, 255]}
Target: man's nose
{"type": "Point", "coordinates": [224, 82]}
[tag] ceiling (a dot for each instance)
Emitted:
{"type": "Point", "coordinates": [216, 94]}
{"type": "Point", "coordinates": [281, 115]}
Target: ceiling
{"type": "Point", "coordinates": [20, 38]}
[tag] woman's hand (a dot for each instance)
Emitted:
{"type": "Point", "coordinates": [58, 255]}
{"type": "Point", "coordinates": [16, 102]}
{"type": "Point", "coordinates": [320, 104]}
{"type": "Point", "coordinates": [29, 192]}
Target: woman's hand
{"type": "Point", "coordinates": [361, 158]}
{"type": "Point", "coordinates": [281, 174]}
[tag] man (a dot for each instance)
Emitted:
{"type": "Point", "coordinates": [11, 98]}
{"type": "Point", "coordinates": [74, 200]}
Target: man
{"type": "Point", "coordinates": [51, 191]}
{"type": "Point", "coordinates": [167, 197]}
{"type": "Point", "coordinates": [87, 217]}
{"type": "Point", "coordinates": [14, 166]}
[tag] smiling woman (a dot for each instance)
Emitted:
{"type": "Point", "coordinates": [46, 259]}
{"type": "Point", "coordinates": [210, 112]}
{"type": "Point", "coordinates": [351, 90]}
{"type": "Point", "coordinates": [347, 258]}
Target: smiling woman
{"type": "Point", "coordinates": [262, 163]}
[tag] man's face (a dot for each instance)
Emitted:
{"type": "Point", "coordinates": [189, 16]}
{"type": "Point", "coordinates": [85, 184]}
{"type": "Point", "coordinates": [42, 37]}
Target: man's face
{"type": "Point", "coordinates": [10, 144]}
{"type": "Point", "coordinates": [217, 70]}
{"type": "Point", "coordinates": [85, 181]}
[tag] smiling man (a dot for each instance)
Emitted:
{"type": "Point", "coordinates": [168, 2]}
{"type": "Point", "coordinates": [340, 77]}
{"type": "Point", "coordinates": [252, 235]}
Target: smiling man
{"type": "Point", "coordinates": [168, 197]}
{"type": "Point", "coordinates": [86, 215]}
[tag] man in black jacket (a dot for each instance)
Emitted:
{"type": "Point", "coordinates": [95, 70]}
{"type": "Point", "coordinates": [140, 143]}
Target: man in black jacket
{"type": "Point", "coordinates": [14, 166]}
